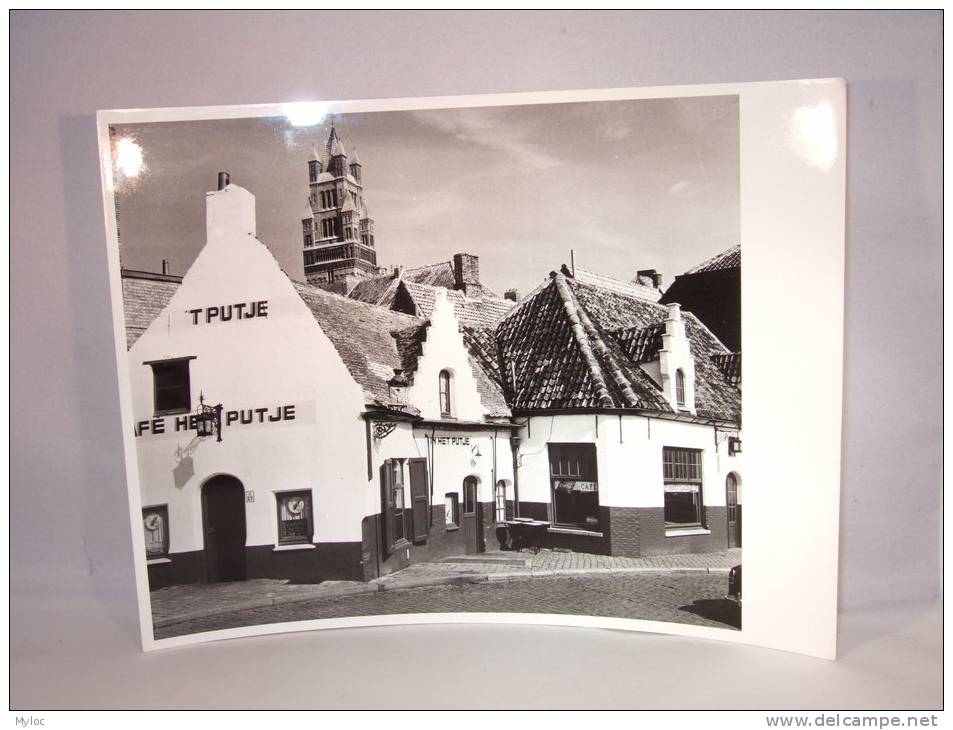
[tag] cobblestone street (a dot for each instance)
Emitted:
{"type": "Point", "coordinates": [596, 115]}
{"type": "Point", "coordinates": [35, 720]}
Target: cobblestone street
{"type": "Point", "coordinates": [682, 597]}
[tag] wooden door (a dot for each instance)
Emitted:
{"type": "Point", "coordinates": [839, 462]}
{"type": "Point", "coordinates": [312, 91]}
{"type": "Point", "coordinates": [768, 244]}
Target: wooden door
{"type": "Point", "coordinates": [731, 502]}
{"type": "Point", "coordinates": [223, 520]}
{"type": "Point", "coordinates": [471, 518]}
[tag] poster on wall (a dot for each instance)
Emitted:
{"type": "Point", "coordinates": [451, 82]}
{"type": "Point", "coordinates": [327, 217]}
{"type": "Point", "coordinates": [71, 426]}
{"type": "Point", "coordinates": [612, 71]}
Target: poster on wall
{"type": "Point", "coordinates": [478, 359]}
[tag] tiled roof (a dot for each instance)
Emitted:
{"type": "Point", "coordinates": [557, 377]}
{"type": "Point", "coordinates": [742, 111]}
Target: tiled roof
{"type": "Point", "coordinates": [361, 334]}
{"type": "Point", "coordinates": [573, 344]}
{"type": "Point", "coordinates": [479, 311]}
{"type": "Point", "coordinates": [730, 365]}
{"type": "Point", "coordinates": [730, 259]}
{"type": "Point", "coordinates": [382, 289]}
{"type": "Point", "coordinates": [628, 288]}
{"type": "Point", "coordinates": [374, 341]}
{"type": "Point", "coordinates": [641, 344]}
{"type": "Point", "coordinates": [481, 344]}
{"type": "Point", "coordinates": [371, 341]}
{"type": "Point", "coordinates": [375, 290]}
{"type": "Point", "coordinates": [145, 295]}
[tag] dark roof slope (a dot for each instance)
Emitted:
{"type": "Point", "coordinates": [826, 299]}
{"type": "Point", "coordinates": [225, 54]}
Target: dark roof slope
{"type": "Point", "coordinates": [482, 346]}
{"type": "Point", "coordinates": [382, 289]}
{"type": "Point", "coordinates": [577, 345]}
{"type": "Point", "coordinates": [730, 259]}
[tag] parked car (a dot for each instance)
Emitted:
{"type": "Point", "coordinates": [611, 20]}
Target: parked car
{"type": "Point", "coordinates": [734, 584]}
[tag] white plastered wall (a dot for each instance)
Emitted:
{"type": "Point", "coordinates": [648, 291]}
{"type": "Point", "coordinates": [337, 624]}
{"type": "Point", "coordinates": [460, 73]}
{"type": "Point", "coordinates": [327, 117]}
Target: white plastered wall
{"type": "Point", "coordinates": [279, 360]}
{"type": "Point", "coordinates": [630, 471]}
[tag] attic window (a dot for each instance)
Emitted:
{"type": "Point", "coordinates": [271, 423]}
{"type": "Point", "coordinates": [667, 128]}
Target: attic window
{"type": "Point", "coordinates": [680, 388]}
{"type": "Point", "coordinates": [444, 387]}
{"type": "Point", "coordinates": [171, 385]}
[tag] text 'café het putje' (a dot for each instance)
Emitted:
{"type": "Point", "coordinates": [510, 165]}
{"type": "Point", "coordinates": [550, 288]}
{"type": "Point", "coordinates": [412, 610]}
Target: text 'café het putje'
{"type": "Point", "coordinates": [287, 431]}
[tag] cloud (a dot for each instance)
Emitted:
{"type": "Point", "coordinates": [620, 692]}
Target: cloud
{"type": "Point", "coordinates": [489, 127]}
{"type": "Point", "coordinates": [682, 186]}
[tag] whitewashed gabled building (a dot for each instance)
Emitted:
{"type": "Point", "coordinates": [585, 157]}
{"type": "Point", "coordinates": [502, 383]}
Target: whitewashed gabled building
{"type": "Point", "coordinates": [353, 440]}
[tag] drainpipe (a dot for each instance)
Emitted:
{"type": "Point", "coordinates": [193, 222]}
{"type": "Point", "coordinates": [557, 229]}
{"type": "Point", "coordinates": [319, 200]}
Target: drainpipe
{"type": "Point", "coordinates": [515, 448]}
{"type": "Point", "coordinates": [494, 469]}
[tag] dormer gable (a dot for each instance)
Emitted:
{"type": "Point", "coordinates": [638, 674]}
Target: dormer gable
{"type": "Point", "coordinates": [444, 386]}
{"type": "Point", "coordinates": [676, 366]}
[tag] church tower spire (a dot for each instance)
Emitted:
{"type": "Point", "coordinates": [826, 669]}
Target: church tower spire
{"type": "Point", "coordinates": [338, 235]}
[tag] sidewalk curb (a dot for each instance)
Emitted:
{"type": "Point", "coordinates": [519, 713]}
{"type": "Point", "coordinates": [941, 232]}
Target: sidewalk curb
{"type": "Point", "coordinates": [388, 585]}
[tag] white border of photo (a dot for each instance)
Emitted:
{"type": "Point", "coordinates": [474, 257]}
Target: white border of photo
{"type": "Point", "coordinates": [792, 146]}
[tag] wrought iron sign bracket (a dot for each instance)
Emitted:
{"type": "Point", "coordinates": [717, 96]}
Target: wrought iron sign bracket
{"type": "Point", "coordinates": [383, 430]}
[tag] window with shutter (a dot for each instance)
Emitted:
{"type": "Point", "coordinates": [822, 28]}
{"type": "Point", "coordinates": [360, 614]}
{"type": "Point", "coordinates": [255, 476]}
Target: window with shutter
{"type": "Point", "coordinates": [420, 504]}
{"type": "Point", "coordinates": [393, 515]}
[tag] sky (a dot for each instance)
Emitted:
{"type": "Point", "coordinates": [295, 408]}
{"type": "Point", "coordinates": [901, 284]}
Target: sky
{"type": "Point", "coordinates": [626, 185]}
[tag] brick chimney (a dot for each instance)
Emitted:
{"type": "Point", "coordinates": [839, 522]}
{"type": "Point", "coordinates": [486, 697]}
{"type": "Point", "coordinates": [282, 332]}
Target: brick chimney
{"type": "Point", "coordinates": [648, 277]}
{"type": "Point", "coordinates": [512, 294]}
{"type": "Point", "coordinates": [466, 272]}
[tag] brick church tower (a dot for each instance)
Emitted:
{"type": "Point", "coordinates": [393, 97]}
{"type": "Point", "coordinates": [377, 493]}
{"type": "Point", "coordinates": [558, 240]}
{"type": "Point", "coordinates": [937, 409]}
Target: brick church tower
{"type": "Point", "coordinates": [337, 232]}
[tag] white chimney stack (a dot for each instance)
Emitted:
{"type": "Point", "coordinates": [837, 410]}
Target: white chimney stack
{"type": "Point", "coordinates": [229, 212]}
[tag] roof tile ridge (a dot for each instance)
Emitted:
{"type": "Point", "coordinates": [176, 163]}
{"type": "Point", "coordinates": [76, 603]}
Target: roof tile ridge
{"type": "Point", "coordinates": [578, 330]}
{"type": "Point", "coordinates": [600, 346]}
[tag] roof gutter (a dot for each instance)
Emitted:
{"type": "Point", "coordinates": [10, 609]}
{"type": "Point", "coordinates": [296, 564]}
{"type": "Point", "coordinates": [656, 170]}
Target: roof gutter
{"type": "Point", "coordinates": [660, 415]}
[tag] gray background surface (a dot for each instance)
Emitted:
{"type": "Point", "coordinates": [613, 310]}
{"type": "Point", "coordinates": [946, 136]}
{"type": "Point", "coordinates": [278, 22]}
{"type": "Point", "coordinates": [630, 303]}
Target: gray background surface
{"type": "Point", "coordinates": [72, 596]}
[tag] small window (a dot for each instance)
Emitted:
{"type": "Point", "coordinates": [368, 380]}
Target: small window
{"type": "Point", "coordinates": [171, 386]}
{"type": "Point", "coordinates": [155, 523]}
{"type": "Point", "coordinates": [682, 475]}
{"type": "Point", "coordinates": [313, 171]}
{"type": "Point", "coordinates": [294, 518]}
{"type": "Point", "coordinates": [452, 507]}
{"type": "Point", "coordinates": [444, 385]}
{"type": "Point", "coordinates": [399, 513]}
{"type": "Point", "coordinates": [680, 388]}
{"type": "Point", "coordinates": [470, 486]}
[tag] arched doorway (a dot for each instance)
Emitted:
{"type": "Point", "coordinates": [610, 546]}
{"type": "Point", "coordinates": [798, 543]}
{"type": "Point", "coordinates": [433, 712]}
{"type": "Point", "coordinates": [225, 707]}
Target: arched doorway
{"type": "Point", "coordinates": [471, 518]}
{"type": "Point", "coordinates": [223, 525]}
{"type": "Point", "coordinates": [732, 482]}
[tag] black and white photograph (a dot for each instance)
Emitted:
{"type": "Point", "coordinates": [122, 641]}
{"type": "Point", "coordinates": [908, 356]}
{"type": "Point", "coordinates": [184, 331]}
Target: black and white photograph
{"type": "Point", "coordinates": [481, 359]}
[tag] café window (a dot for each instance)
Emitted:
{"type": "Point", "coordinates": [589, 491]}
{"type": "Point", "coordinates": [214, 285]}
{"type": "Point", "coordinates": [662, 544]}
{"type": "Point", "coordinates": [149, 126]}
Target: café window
{"type": "Point", "coordinates": [452, 507]}
{"type": "Point", "coordinates": [294, 517]}
{"type": "Point", "coordinates": [575, 485]}
{"type": "Point", "coordinates": [444, 387]}
{"type": "Point", "coordinates": [682, 476]}
{"type": "Point", "coordinates": [171, 386]}
{"type": "Point", "coordinates": [393, 514]}
{"type": "Point", "coordinates": [155, 524]}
